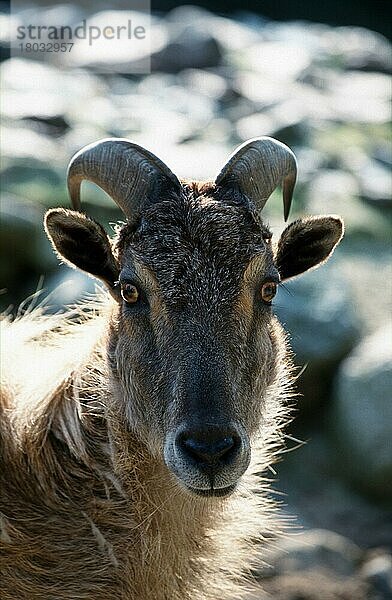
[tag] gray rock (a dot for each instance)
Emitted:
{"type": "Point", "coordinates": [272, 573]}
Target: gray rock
{"type": "Point", "coordinates": [376, 184]}
{"type": "Point", "coordinates": [25, 246]}
{"type": "Point", "coordinates": [361, 49]}
{"type": "Point", "coordinates": [262, 93]}
{"type": "Point", "coordinates": [360, 97]}
{"type": "Point", "coordinates": [362, 414]}
{"type": "Point", "coordinates": [279, 60]}
{"type": "Point", "coordinates": [354, 48]}
{"type": "Point", "coordinates": [383, 152]}
{"type": "Point", "coordinates": [21, 143]}
{"type": "Point", "coordinates": [60, 14]}
{"type": "Point", "coordinates": [204, 82]}
{"type": "Point", "coordinates": [124, 54]}
{"type": "Point", "coordinates": [373, 176]}
{"type": "Point", "coordinates": [33, 179]}
{"type": "Point", "coordinates": [319, 499]}
{"type": "Point", "coordinates": [247, 126]}
{"type": "Point", "coordinates": [66, 94]}
{"type": "Point", "coordinates": [192, 43]}
{"type": "Point", "coordinates": [25, 82]}
{"type": "Point", "coordinates": [337, 191]}
{"type": "Point", "coordinates": [314, 549]}
{"type": "Point", "coordinates": [313, 585]}
{"type": "Point", "coordinates": [191, 49]}
{"type": "Point", "coordinates": [378, 573]}
{"type": "Point", "coordinates": [318, 313]}
{"type": "Point", "coordinates": [285, 121]}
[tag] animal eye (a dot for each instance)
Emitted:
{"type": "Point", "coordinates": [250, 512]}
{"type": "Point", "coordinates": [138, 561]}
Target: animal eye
{"type": "Point", "coordinates": [130, 293]}
{"type": "Point", "coordinates": [268, 291]}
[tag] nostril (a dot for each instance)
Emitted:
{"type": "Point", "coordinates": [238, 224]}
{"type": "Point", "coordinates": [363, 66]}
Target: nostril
{"type": "Point", "coordinates": [210, 451]}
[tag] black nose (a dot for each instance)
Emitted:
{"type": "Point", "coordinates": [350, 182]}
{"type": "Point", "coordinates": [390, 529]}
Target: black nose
{"type": "Point", "coordinates": [210, 447]}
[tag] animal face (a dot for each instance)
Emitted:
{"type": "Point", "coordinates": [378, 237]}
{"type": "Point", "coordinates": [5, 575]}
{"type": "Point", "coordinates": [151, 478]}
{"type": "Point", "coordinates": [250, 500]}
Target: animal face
{"type": "Point", "coordinates": [194, 346]}
{"type": "Point", "coordinates": [195, 351]}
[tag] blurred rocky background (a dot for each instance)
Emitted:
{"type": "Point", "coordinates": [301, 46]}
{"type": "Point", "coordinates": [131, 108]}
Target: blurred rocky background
{"type": "Point", "coordinates": [216, 81]}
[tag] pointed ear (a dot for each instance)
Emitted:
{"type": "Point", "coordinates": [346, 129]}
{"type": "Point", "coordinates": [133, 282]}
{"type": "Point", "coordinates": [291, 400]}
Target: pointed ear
{"type": "Point", "coordinates": [82, 243]}
{"type": "Point", "coordinates": [306, 243]}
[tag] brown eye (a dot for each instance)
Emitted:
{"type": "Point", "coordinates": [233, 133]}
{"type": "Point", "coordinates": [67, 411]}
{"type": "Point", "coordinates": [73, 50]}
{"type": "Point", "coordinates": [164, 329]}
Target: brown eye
{"type": "Point", "coordinates": [130, 293]}
{"type": "Point", "coordinates": [268, 291]}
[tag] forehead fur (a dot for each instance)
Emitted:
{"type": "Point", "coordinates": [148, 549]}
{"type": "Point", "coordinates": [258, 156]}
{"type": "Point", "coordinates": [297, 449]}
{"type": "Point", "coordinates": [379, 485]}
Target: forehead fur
{"type": "Point", "coordinates": [200, 233]}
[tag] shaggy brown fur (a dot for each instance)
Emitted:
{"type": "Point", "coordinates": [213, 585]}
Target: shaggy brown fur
{"type": "Point", "coordinates": [86, 518]}
{"type": "Point", "coordinates": [89, 509]}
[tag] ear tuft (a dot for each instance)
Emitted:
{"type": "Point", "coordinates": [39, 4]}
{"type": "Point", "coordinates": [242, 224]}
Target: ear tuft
{"type": "Point", "coordinates": [81, 243]}
{"type": "Point", "coordinates": [307, 243]}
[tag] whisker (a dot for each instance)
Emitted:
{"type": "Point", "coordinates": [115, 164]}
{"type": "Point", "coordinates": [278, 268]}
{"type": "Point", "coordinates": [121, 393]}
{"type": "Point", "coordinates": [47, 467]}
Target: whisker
{"type": "Point", "coordinates": [286, 289]}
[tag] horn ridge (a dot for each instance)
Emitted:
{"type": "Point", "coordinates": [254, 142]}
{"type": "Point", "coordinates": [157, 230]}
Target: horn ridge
{"type": "Point", "coordinates": [257, 167]}
{"type": "Point", "coordinates": [129, 173]}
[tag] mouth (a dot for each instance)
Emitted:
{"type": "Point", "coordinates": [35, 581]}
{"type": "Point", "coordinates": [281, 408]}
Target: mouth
{"type": "Point", "coordinates": [213, 492]}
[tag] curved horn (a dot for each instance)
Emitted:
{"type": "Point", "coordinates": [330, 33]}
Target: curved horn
{"type": "Point", "coordinates": [257, 167]}
{"type": "Point", "coordinates": [127, 172]}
